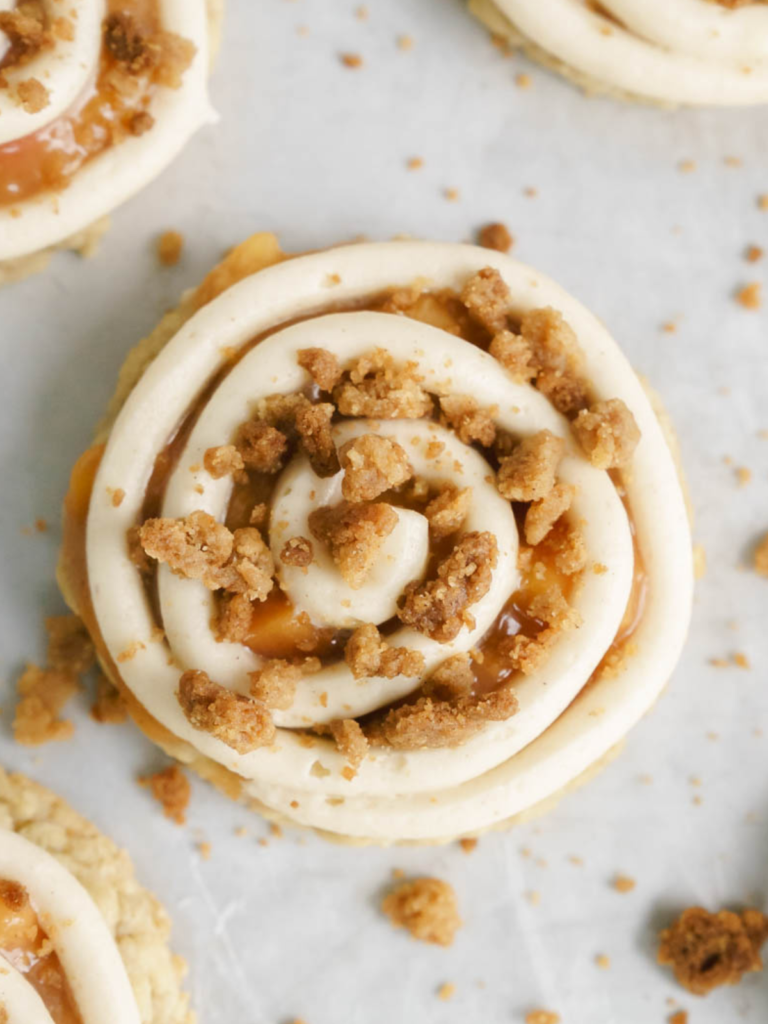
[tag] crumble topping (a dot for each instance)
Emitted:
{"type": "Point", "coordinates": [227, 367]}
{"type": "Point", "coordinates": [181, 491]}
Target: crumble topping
{"type": "Point", "coordinates": [486, 296]}
{"type": "Point", "coordinates": [427, 908]}
{"type": "Point", "coordinates": [528, 473]}
{"type": "Point", "coordinates": [761, 557]}
{"type": "Point", "coordinates": [108, 708]}
{"type": "Point", "coordinates": [515, 355]}
{"type": "Point", "coordinates": [470, 422]}
{"type": "Point", "coordinates": [354, 534]}
{"type": "Point", "coordinates": [274, 684]}
{"type": "Point", "coordinates": [313, 423]}
{"type": "Point", "coordinates": [379, 388]}
{"type": "Point", "coordinates": [447, 511]}
{"type": "Point", "coordinates": [372, 465]}
{"type": "Point", "coordinates": [70, 648]}
{"type": "Point", "coordinates": [225, 460]}
{"type": "Point", "coordinates": [542, 1017]}
{"type": "Point", "coordinates": [438, 608]}
{"type": "Point", "coordinates": [25, 28]}
{"type": "Point", "coordinates": [243, 724]}
{"type": "Point", "coordinates": [322, 366]}
{"type": "Point", "coordinates": [169, 247]}
{"type": "Point", "coordinates": [544, 513]}
{"type": "Point", "coordinates": [368, 655]}
{"type": "Point", "coordinates": [566, 546]}
{"type": "Point", "coordinates": [298, 552]}
{"type": "Point", "coordinates": [261, 446]}
{"type": "Point", "coordinates": [33, 95]}
{"type": "Point", "coordinates": [234, 618]}
{"type": "Point", "coordinates": [171, 788]}
{"type": "Point", "coordinates": [708, 950]}
{"type": "Point", "coordinates": [352, 743]}
{"type": "Point", "coordinates": [608, 433]}
{"type": "Point", "coordinates": [495, 236]}
{"type": "Point", "coordinates": [42, 695]}
{"type": "Point", "coordinates": [556, 355]}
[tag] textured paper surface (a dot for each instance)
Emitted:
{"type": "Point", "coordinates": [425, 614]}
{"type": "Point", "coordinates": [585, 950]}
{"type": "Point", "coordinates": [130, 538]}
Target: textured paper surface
{"type": "Point", "coordinates": [318, 153]}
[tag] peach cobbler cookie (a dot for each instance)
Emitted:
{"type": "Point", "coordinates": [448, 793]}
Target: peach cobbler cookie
{"type": "Point", "coordinates": [388, 517]}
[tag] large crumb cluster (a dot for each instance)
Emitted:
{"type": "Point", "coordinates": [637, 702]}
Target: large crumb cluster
{"type": "Point", "coordinates": [240, 722]}
{"type": "Point", "coordinates": [368, 655]}
{"type": "Point", "coordinates": [380, 388]}
{"type": "Point", "coordinates": [354, 534]}
{"type": "Point", "coordinates": [447, 511]}
{"type": "Point", "coordinates": [372, 465]}
{"type": "Point", "coordinates": [608, 433]}
{"type": "Point", "coordinates": [171, 788]}
{"type": "Point", "coordinates": [426, 907]}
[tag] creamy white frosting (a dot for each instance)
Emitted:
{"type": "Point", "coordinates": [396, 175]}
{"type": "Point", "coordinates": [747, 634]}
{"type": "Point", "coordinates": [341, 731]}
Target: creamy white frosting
{"type": "Point", "coordinates": [425, 794]}
{"type": "Point", "coordinates": [671, 51]}
{"type": "Point", "coordinates": [80, 937]}
{"type": "Point", "coordinates": [68, 71]}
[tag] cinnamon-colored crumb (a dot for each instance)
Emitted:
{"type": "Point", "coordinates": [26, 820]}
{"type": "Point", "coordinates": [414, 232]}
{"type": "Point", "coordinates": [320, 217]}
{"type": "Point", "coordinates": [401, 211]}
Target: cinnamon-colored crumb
{"type": "Point", "coordinates": [234, 619]}
{"type": "Point", "coordinates": [70, 648]}
{"type": "Point", "coordinates": [515, 355]}
{"type": "Point", "coordinates": [368, 655]}
{"type": "Point", "coordinates": [487, 299]}
{"type": "Point", "coordinates": [603, 961]}
{"type": "Point", "coordinates": [33, 95]}
{"type": "Point", "coordinates": [415, 163]}
{"type": "Point", "coordinates": [528, 654]}
{"type": "Point", "coordinates": [109, 707]}
{"type": "Point", "coordinates": [63, 29]}
{"type": "Point", "coordinates": [438, 607]}
{"type": "Point", "coordinates": [528, 474]}
{"type": "Point", "coordinates": [322, 366]}
{"type": "Point", "coordinates": [709, 950]}
{"type": "Point", "coordinates": [171, 788]}
{"type": "Point", "coordinates": [313, 423]}
{"type": "Point", "coordinates": [743, 475]}
{"type": "Point", "coordinates": [495, 236]}
{"type": "Point", "coordinates": [25, 28]}
{"type": "Point", "coordinates": [470, 422]}
{"type": "Point", "coordinates": [169, 247]}
{"type": "Point", "coordinates": [468, 845]}
{"type": "Point", "coordinates": [274, 684]}
{"type": "Point", "coordinates": [352, 743]}
{"type": "Point", "coordinates": [136, 552]}
{"type": "Point", "coordinates": [223, 461]}
{"type": "Point", "coordinates": [542, 1017]}
{"type": "Point", "coordinates": [372, 464]}
{"type": "Point", "coordinates": [243, 724]}
{"type": "Point", "coordinates": [754, 254]}
{"type": "Point", "coordinates": [623, 884]}
{"type": "Point", "coordinates": [42, 695]}
{"type": "Point", "coordinates": [750, 296]}
{"type": "Point", "coordinates": [761, 557]}
{"type": "Point", "coordinates": [298, 552]}
{"type": "Point", "coordinates": [354, 535]}
{"type": "Point", "coordinates": [451, 680]}
{"type": "Point", "coordinates": [380, 388]}
{"type": "Point", "coordinates": [452, 194]}
{"type": "Point", "coordinates": [13, 895]}
{"type": "Point", "coordinates": [125, 44]}
{"type": "Point", "coordinates": [351, 60]}
{"type": "Point", "coordinates": [557, 358]}
{"type": "Point", "coordinates": [681, 1017]}
{"type": "Point", "coordinates": [261, 446]}
{"type": "Point", "coordinates": [544, 513]}
{"type": "Point", "coordinates": [427, 907]}
{"type": "Point", "coordinates": [446, 991]}
{"type": "Point", "coordinates": [175, 54]}
{"type": "Point", "coordinates": [551, 607]}
{"type": "Point", "coordinates": [259, 515]}
{"type": "Point", "coordinates": [608, 433]}
{"type": "Point", "coordinates": [447, 511]}
{"type": "Point", "coordinates": [140, 123]}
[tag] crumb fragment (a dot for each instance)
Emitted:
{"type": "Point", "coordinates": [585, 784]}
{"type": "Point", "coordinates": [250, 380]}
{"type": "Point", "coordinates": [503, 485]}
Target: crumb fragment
{"type": "Point", "coordinates": [322, 366]}
{"type": "Point", "coordinates": [622, 883]}
{"type": "Point", "coordinates": [109, 707]}
{"type": "Point", "coordinates": [681, 1017]}
{"type": "Point", "coordinates": [70, 648]}
{"type": "Point", "coordinates": [354, 534]}
{"type": "Point", "coordinates": [261, 446]}
{"type": "Point", "coordinates": [427, 907]}
{"type": "Point", "coordinates": [761, 557]}
{"type": "Point", "coordinates": [297, 551]}
{"type": "Point", "coordinates": [352, 743]}
{"type": "Point", "coordinates": [515, 355]}
{"type": "Point", "coordinates": [169, 248]}
{"type": "Point", "coordinates": [608, 433]}
{"type": "Point", "coordinates": [42, 695]}
{"type": "Point", "coordinates": [415, 163]}
{"type": "Point", "coordinates": [33, 95]}
{"type": "Point", "coordinates": [224, 460]}
{"type": "Point", "coordinates": [603, 961]}
{"type": "Point", "coordinates": [313, 423]}
{"type": "Point", "coordinates": [470, 422]}
{"type": "Point", "coordinates": [542, 1017]}
{"type": "Point", "coordinates": [528, 474]}
{"type": "Point", "coordinates": [368, 655]}
{"type": "Point", "coordinates": [171, 788]}
{"type": "Point", "coordinates": [372, 464]}
{"type": "Point", "coordinates": [487, 299]}
{"type": "Point", "coordinates": [446, 991]}
{"type": "Point", "coordinates": [495, 236]}
{"type": "Point", "coordinates": [274, 684]}
{"type": "Point", "coordinates": [380, 388]}
{"type": "Point", "coordinates": [709, 950]}
{"type": "Point", "coordinates": [243, 724]}
{"type": "Point", "coordinates": [753, 254]}
{"type": "Point", "coordinates": [468, 844]}
{"type": "Point", "coordinates": [545, 512]}
{"type": "Point", "coordinates": [447, 511]}
{"type": "Point", "coordinates": [750, 296]}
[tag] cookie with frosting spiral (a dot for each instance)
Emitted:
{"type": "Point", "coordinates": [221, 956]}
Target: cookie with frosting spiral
{"type": "Point", "coordinates": [668, 52]}
{"type": "Point", "coordinates": [81, 942]}
{"type": "Point", "coordinates": [97, 97]}
{"type": "Point", "coordinates": [386, 540]}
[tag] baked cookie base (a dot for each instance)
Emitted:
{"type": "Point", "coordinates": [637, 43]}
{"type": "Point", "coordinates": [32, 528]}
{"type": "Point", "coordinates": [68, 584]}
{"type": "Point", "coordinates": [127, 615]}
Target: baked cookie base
{"type": "Point", "coordinates": [136, 919]}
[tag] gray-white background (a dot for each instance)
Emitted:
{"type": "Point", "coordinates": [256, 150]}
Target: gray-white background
{"type": "Point", "coordinates": [317, 153]}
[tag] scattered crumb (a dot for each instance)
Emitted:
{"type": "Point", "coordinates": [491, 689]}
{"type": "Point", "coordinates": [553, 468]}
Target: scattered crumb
{"type": "Point", "coordinates": [171, 788]}
{"type": "Point", "coordinates": [452, 195]}
{"type": "Point", "coordinates": [368, 655]}
{"type": "Point", "coordinates": [686, 166]}
{"type": "Point", "coordinates": [743, 475]}
{"type": "Point", "coordinates": [351, 60]}
{"type": "Point", "coordinates": [322, 366]}
{"type": "Point", "coordinates": [169, 247]}
{"type": "Point", "coordinates": [33, 95]}
{"type": "Point", "coordinates": [753, 254]}
{"type": "Point", "coordinates": [415, 163]}
{"type": "Point", "coordinates": [523, 81]}
{"type": "Point", "coordinates": [354, 534]}
{"type": "Point", "coordinates": [372, 465]}
{"type": "Point", "coordinates": [495, 236]}
{"type": "Point", "coordinates": [622, 883]}
{"type": "Point", "coordinates": [109, 707]}
{"type": "Point", "coordinates": [446, 991]}
{"type": "Point", "coordinates": [205, 850]}
{"type": "Point", "coordinates": [681, 1017]}
{"type": "Point", "coordinates": [761, 557]}
{"type": "Point", "coordinates": [243, 724]}
{"type": "Point", "coordinates": [603, 961]}
{"type": "Point", "coordinates": [542, 1017]}
{"type": "Point", "coordinates": [427, 907]}
{"type": "Point", "coordinates": [405, 42]}
{"type": "Point", "coordinates": [741, 660]}
{"type": "Point", "coordinates": [533, 897]}
{"type": "Point", "coordinates": [750, 296]}
{"type": "Point", "coordinates": [42, 695]}
{"type": "Point", "coordinates": [762, 201]}
{"type": "Point", "coordinates": [468, 845]}
{"type": "Point", "coordinates": [608, 433]}
{"type": "Point", "coordinates": [70, 648]}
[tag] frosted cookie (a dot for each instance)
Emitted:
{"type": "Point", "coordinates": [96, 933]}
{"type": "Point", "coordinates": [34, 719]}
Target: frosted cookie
{"type": "Point", "coordinates": [672, 52]}
{"type": "Point", "coordinates": [386, 540]}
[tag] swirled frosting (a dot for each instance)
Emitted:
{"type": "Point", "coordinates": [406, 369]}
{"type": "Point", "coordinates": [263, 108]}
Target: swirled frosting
{"type": "Point", "coordinates": [669, 51]}
{"type": "Point", "coordinates": [81, 940]}
{"type": "Point", "coordinates": [562, 726]}
{"type": "Point", "coordinates": [67, 69]}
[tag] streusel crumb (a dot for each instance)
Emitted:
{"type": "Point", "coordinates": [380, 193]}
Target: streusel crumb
{"type": "Point", "coordinates": [557, 358]}
{"type": "Point", "coordinates": [528, 474]}
{"type": "Point", "coordinates": [427, 907]}
{"type": "Point", "coordinates": [566, 546]}
{"type": "Point", "coordinates": [354, 535]}
{"type": "Point", "coordinates": [70, 648]}
{"type": "Point", "coordinates": [550, 606]}
{"type": "Point", "coordinates": [25, 28]}
{"type": "Point", "coordinates": [298, 552]}
{"type": "Point", "coordinates": [761, 557]}
{"type": "Point", "coordinates": [381, 389]}
{"type": "Point", "coordinates": [608, 433]}
{"type": "Point", "coordinates": [495, 236]}
{"type": "Point", "coordinates": [109, 707]}
{"type": "Point", "coordinates": [33, 95]}
{"type": "Point", "coordinates": [452, 679]}
{"type": "Point", "coordinates": [486, 296]}
{"type": "Point", "coordinates": [447, 511]}
{"type": "Point", "coordinates": [322, 366]}
{"type": "Point", "coordinates": [542, 1017]}
{"type": "Point", "coordinates": [709, 950]}
{"type": "Point", "coordinates": [223, 461]}
{"type": "Point", "coordinates": [470, 422]}
{"type": "Point", "coordinates": [42, 695]}
{"type": "Point", "coordinates": [515, 355]}
{"type": "Point", "coordinates": [274, 684]}
{"type": "Point", "coordinates": [313, 423]}
{"type": "Point", "coordinates": [438, 608]}
{"type": "Point", "coordinates": [234, 620]}
{"type": "Point", "coordinates": [243, 724]}
{"type": "Point", "coordinates": [261, 446]}
{"type": "Point", "coordinates": [368, 655]}
{"type": "Point", "coordinates": [544, 513]}
{"type": "Point", "coordinates": [169, 248]}
{"type": "Point", "coordinates": [171, 788]}
{"type": "Point", "coordinates": [528, 654]}
{"type": "Point", "coordinates": [352, 743]}
{"type": "Point", "coordinates": [372, 464]}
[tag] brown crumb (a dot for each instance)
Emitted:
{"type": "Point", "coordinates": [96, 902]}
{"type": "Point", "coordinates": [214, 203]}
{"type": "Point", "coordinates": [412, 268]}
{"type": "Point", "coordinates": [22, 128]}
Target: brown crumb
{"type": "Point", "coordinates": [297, 551]}
{"type": "Point", "coordinates": [243, 724]}
{"type": "Point", "coordinates": [681, 1017]}
{"type": "Point", "coordinates": [351, 60]}
{"type": "Point", "coordinates": [352, 743]}
{"type": "Point", "coordinates": [622, 883]}
{"type": "Point", "coordinates": [205, 849]}
{"type": "Point", "coordinates": [70, 648]}
{"type": "Point", "coordinates": [313, 423]}
{"type": "Point", "coordinates": [743, 476]}
{"type": "Point", "coordinates": [542, 1017]}
{"type": "Point", "coordinates": [42, 695]}
{"type": "Point", "coordinates": [415, 163]}
{"type": "Point", "coordinates": [109, 707]}
{"type": "Point", "coordinates": [608, 433]}
{"type": "Point", "coordinates": [169, 247]}
{"type": "Point", "coordinates": [322, 366]}
{"type": "Point", "coordinates": [761, 557]}
{"type": "Point", "coordinates": [523, 81]}
{"type": "Point", "coordinates": [446, 991]}
{"type": "Point", "coordinates": [380, 388]}
{"type": "Point", "coordinates": [427, 907]}
{"type": "Point", "coordinates": [487, 298]}
{"type": "Point", "coordinates": [709, 950]}
{"type": "Point", "coordinates": [556, 357]}
{"type": "Point", "coordinates": [405, 42]}
{"type": "Point", "coordinates": [354, 535]}
{"type": "Point", "coordinates": [515, 355]}
{"type": "Point", "coordinates": [171, 788]}
{"type": "Point", "coordinates": [223, 461]}
{"type": "Point", "coordinates": [261, 446]}
{"type": "Point", "coordinates": [13, 896]}
{"type": "Point", "coordinates": [372, 465]}
{"type": "Point", "coordinates": [544, 513]}
{"type": "Point", "coordinates": [140, 123]}
{"type": "Point", "coordinates": [447, 511]}
{"type": "Point", "coordinates": [750, 296]}
{"type": "Point", "coordinates": [468, 845]}
{"type": "Point", "coordinates": [495, 236]}
{"type": "Point", "coordinates": [565, 545]}
{"type": "Point", "coordinates": [438, 607]}
{"type": "Point", "coordinates": [452, 195]}
{"type": "Point", "coordinates": [686, 166]}
{"type": "Point", "coordinates": [33, 95]}
{"type": "Point", "coordinates": [274, 684]}
{"type": "Point", "coordinates": [368, 655]}
{"type": "Point", "coordinates": [470, 422]}
{"type": "Point", "coordinates": [528, 474]}
{"type": "Point", "coordinates": [753, 254]}
{"type": "Point", "coordinates": [25, 28]}
{"type": "Point", "coordinates": [603, 961]}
